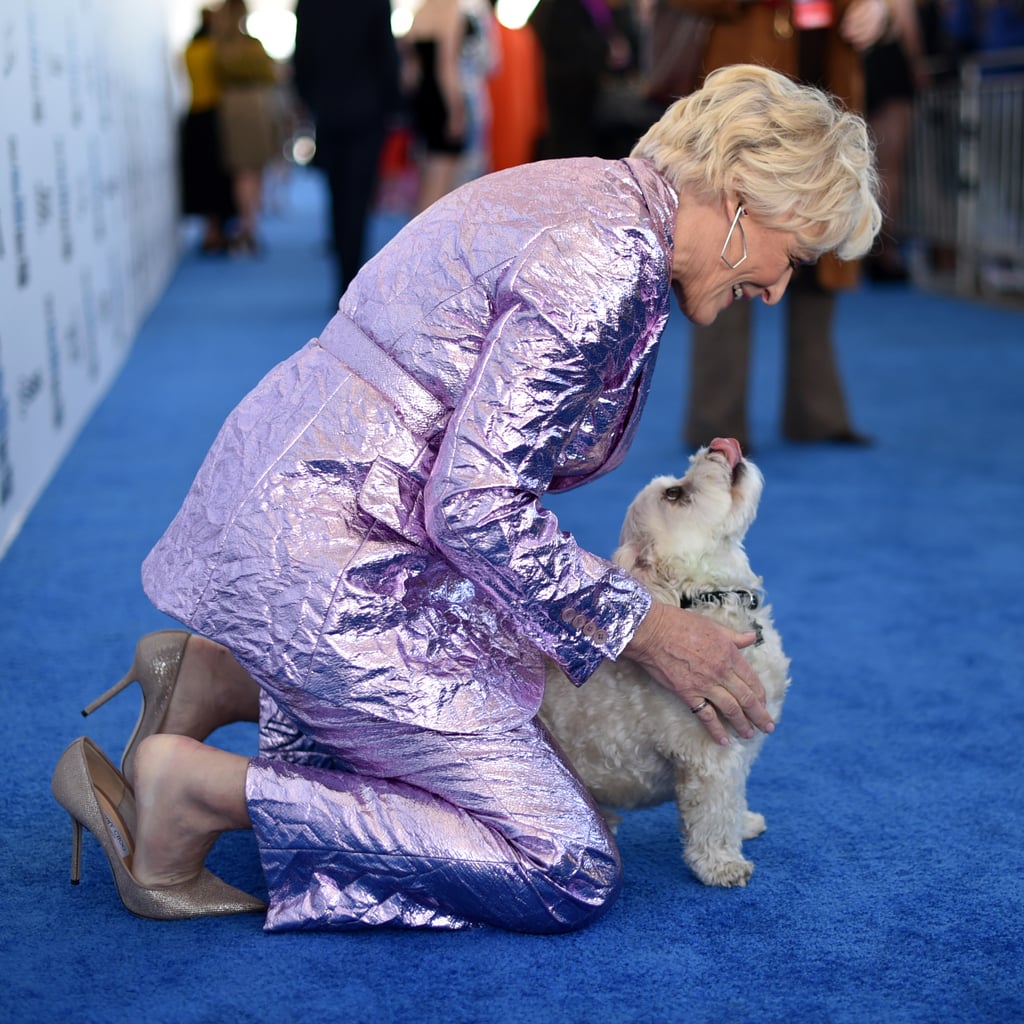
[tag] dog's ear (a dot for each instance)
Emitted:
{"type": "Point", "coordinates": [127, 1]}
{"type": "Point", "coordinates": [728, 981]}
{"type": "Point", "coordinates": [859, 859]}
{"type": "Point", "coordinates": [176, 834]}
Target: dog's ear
{"type": "Point", "coordinates": [635, 541]}
{"type": "Point", "coordinates": [631, 556]}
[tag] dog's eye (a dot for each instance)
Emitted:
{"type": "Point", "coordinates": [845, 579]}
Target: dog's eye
{"type": "Point", "coordinates": [674, 494]}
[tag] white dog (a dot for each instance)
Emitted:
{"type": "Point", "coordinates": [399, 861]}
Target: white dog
{"type": "Point", "coordinates": [633, 742]}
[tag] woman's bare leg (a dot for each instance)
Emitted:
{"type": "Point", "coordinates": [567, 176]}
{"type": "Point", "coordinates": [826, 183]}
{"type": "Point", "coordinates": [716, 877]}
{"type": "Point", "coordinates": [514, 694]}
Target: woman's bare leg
{"type": "Point", "coordinates": [249, 200]}
{"type": "Point", "coordinates": [186, 795]}
{"type": "Point", "coordinates": [438, 175]}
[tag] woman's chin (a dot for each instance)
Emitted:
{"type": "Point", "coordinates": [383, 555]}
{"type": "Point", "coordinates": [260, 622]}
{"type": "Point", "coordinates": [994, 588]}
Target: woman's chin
{"type": "Point", "coordinates": [701, 316]}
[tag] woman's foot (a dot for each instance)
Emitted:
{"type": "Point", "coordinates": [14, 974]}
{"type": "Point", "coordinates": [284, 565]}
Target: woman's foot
{"type": "Point", "coordinates": [245, 244]}
{"type": "Point", "coordinates": [211, 690]}
{"type": "Point", "coordinates": [186, 795]}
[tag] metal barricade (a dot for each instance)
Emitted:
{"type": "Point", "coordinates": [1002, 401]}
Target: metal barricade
{"type": "Point", "coordinates": [964, 207]}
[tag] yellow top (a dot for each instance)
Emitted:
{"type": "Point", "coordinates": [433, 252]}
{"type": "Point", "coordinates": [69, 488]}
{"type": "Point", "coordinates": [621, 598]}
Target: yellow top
{"type": "Point", "coordinates": [201, 64]}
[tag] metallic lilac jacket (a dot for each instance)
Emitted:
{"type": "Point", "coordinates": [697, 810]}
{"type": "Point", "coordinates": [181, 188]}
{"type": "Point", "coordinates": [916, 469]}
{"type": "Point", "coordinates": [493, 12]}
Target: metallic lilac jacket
{"type": "Point", "coordinates": [367, 530]}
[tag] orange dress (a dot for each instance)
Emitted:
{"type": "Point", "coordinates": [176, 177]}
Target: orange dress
{"type": "Point", "coordinates": [516, 92]}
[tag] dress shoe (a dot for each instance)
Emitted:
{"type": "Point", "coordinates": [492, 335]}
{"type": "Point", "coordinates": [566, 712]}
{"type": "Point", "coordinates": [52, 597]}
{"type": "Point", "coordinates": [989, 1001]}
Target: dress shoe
{"type": "Point", "coordinates": [155, 668]}
{"type": "Point", "coordinates": [97, 796]}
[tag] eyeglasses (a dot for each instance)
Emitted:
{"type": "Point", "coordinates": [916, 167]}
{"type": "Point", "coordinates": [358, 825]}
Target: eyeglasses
{"type": "Point", "coordinates": [740, 212]}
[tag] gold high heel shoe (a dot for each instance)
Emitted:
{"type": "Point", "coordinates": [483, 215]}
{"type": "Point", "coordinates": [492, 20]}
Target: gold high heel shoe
{"type": "Point", "coordinates": [95, 794]}
{"type": "Point", "coordinates": [155, 667]}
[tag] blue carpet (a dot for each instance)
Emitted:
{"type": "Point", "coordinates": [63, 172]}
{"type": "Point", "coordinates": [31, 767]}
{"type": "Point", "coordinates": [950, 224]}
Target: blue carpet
{"type": "Point", "coordinates": [889, 883]}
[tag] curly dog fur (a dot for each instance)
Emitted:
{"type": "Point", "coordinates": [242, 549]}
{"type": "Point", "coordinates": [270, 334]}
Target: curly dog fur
{"type": "Point", "coordinates": [633, 742]}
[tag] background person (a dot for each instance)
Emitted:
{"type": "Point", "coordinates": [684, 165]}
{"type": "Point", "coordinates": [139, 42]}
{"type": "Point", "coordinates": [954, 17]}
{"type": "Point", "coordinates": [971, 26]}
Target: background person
{"type": "Point", "coordinates": [205, 183]}
{"type": "Point", "coordinates": [814, 404]}
{"type": "Point", "coordinates": [346, 74]}
{"type": "Point", "coordinates": [581, 41]}
{"type": "Point", "coordinates": [516, 88]}
{"type": "Point", "coordinates": [894, 71]}
{"type": "Point", "coordinates": [432, 53]}
{"type": "Point", "coordinates": [249, 130]}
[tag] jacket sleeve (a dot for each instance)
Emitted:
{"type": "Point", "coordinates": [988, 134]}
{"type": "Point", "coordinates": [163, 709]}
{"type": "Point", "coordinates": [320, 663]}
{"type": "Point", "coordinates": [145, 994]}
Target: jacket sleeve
{"type": "Point", "coordinates": [570, 314]}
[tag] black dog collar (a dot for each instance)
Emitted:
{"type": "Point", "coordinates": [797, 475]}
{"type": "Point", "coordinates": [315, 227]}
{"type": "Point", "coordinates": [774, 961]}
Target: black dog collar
{"type": "Point", "coordinates": [747, 598]}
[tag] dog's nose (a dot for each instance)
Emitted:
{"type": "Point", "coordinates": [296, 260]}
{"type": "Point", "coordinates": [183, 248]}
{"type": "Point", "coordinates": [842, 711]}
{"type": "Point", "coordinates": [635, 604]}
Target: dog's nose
{"type": "Point", "coordinates": [729, 447]}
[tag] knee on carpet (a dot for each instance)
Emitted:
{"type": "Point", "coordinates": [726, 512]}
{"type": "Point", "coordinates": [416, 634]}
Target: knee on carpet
{"type": "Point", "coordinates": [568, 892]}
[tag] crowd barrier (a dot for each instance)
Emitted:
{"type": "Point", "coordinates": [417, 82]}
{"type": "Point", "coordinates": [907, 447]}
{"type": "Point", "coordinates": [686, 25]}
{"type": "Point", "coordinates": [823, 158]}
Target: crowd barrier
{"type": "Point", "coordinates": [963, 214]}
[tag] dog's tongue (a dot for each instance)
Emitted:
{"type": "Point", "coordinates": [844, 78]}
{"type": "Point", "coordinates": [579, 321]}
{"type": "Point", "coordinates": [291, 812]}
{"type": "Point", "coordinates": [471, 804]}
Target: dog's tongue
{"type": "Point", "coordinates": [729, 447]}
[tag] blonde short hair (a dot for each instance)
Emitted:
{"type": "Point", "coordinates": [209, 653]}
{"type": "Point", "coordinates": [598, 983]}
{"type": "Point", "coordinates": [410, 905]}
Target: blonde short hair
{"type": "Point", "coordinates": [794, 156]}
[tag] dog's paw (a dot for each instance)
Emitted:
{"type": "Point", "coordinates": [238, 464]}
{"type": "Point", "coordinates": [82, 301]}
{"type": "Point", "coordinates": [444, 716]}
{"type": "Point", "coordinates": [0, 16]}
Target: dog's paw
{"type": "Point", "coordinates": [723, 873]}
{"type": "Point", "coordinates": [753, 824]}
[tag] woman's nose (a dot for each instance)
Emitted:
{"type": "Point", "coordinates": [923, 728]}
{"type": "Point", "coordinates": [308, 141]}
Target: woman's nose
{"type": "Point", "coordinates": [774, 292]}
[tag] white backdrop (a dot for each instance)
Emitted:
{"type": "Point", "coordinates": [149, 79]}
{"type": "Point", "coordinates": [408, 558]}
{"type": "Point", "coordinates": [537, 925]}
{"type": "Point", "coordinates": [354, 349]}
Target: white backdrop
{"type": "Point", "coordinates": [89, 227]}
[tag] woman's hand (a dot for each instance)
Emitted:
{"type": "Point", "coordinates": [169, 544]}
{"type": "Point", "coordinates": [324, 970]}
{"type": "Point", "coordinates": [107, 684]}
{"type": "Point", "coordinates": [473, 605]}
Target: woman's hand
{"type": "Point", "coordinates": [701, 662]}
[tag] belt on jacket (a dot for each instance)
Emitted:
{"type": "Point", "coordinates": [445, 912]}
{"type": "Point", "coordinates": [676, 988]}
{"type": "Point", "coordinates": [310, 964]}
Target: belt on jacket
{"type": "Point", "coordinates": [412, 403]}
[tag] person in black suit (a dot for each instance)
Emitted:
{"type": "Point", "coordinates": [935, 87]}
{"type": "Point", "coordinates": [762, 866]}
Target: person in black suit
{"type": "Point", "coordinates": [346, 74]}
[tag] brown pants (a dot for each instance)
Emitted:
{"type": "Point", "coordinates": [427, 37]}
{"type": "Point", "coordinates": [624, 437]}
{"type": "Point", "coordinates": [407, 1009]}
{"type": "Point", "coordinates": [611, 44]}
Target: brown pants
{"type": "Point", "coordinates": [813, 405]}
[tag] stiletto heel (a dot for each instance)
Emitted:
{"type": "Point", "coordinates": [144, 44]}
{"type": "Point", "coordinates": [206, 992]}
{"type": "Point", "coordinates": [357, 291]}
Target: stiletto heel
{"type": "Point", "coordinates": [76, 850]}
{"type": "Point", "coordinates": [121, 684]}
{"type": "Point", "coordinates": [98, 797]}
{"type": "Point", "coordinates": [155, 667]}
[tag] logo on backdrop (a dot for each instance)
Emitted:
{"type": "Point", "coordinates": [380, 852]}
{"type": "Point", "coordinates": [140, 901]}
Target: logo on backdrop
{"type": "Point", "coordinates": [35, 76]}
{"type": "Point", "coordinates": [7, 64]}
{"type": "Point", "coordinates": [8, 52]}
{"type": "Point", "coordinates": [99, 226]}
{"type": "Point", "coordinates": [89, 317]}
{"type": "Point", "coordinates": [74, 59]}
{"type": "Point", "coordinates": [67, 248]}
{"type": "Point", "coordinates": [6, 468]}
{"type": "Point", "coordinates": [30, 388]}
{"type": "Point", "coordinates": [53, 355]}
{"type": "Point", "coordinates": [21, 274]}
{"type": "Point", "coordinates": [44, 204]}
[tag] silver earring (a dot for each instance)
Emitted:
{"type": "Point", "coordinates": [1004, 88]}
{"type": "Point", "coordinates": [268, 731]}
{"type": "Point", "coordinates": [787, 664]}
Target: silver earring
{"type": "Point", "coordinates": [740, 212]}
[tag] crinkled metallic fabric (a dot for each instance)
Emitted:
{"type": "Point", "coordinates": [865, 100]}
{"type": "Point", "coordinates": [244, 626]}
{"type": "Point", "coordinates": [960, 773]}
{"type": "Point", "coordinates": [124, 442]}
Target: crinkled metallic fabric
{"type": "Point", "coordinates": [367, 533]}
{"type": "Point", "coordinates": [431, 830]}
